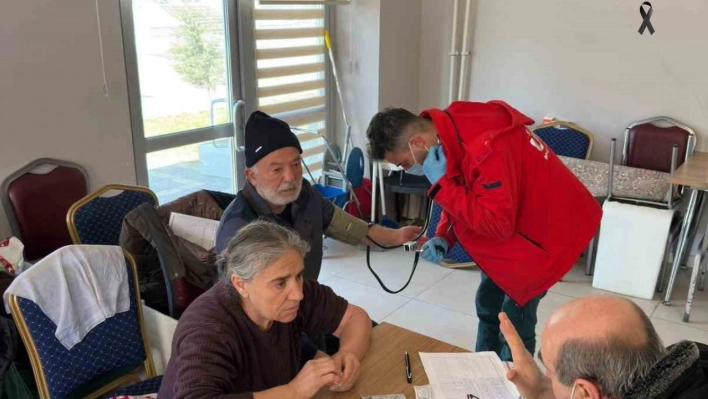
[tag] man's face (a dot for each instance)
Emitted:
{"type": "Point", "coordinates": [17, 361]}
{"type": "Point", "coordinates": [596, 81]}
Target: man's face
{"type": "Point", "coordinates": [551, 343]}
{"type": "Point", "coordinates": [412, 152]}
{"type": "Point", "coordinates": [275, 293]}
{"type": "Point", "coordinates": [277, 177]}
{"type": "Point", "coordinates": [548, 355]}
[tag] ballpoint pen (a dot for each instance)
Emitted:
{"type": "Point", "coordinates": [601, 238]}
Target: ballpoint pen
{"type": "Point", "coordinates": [409, 373]}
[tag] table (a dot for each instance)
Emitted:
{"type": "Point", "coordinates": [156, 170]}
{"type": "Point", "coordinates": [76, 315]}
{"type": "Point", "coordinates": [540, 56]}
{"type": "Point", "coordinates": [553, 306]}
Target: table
{"type": "Point", "coordinates": [383, 371]}
{"type": "Point", "coordinates": [693, 174]}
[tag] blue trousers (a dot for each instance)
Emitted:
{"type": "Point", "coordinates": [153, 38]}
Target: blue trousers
{"type": "Point", "coordinates": [490, 301]}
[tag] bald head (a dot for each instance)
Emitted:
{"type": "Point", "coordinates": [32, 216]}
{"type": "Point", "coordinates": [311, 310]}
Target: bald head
{"type": "Point", "coordinates": [598, 317]}
{"type": "Point", "coordinates": [605, 339]}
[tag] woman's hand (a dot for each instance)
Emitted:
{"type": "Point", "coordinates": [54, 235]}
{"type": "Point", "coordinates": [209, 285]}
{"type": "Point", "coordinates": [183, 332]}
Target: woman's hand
{"type": "Point", "coordinates": [315, 375]}
{"type": "Point", "coordinates": [348, 365]}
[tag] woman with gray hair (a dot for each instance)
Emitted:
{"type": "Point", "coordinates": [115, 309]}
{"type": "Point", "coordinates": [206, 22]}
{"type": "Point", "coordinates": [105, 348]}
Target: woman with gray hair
{"type": "Point", "coordinates": [242, 338]}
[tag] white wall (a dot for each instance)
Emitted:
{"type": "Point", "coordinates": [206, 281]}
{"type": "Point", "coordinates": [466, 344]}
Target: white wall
{"type": "Point", "coordinates": [378, 57]}
{"type": "Point", "coordinates": [436, 36]}
{"type": "Point", "coordinates": [399, 53]}
{"type": "Point", "coordinates": [357, 56]}
{"type": "Point", "coordinates": [51, 96]}
{"type": "Point", "coordinates": [580, 61]}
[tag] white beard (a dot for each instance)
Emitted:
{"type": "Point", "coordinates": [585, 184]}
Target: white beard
{"type": "Point", "coordinates": [281, 196]}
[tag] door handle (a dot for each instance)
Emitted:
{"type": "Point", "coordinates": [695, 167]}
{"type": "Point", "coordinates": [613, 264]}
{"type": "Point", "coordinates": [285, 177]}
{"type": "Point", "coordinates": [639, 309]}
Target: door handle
{"type": "Point", "coordinates": [238, 119]}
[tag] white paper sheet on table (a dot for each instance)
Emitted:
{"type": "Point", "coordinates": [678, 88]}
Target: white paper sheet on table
{"type": "Point", "coordinates": [422, 392]}
{"type": "Point", "coordinates": [454, 375]}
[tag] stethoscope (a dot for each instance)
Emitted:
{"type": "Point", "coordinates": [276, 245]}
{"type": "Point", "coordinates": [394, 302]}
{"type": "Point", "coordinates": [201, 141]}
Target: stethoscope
{"type": "Point", "coordinates": [410, 246]}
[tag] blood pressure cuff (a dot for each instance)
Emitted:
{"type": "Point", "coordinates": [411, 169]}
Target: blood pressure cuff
{"type": "Point", "coordinates": [346, 228]}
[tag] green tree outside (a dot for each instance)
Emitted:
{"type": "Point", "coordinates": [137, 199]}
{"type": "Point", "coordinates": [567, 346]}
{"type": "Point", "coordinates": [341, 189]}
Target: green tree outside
{"type": "Point", "coordinates": [197, 54]}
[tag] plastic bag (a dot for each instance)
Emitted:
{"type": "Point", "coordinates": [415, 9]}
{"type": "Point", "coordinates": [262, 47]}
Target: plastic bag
{"type": "Point", "coordinates": [11, 258]}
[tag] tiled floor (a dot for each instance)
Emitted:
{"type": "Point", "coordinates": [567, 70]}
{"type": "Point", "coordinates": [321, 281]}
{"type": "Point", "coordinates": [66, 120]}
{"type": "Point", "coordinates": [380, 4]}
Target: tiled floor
{"type": "Point", "coordinates": [439, 302]}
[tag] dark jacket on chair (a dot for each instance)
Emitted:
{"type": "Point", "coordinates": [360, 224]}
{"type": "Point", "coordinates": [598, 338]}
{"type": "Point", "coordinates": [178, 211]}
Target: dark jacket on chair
{"type": "Point", "coordinates": [172, 271]}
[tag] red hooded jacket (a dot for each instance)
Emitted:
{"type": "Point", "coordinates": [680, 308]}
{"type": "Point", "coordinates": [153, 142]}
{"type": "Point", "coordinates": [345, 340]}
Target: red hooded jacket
{"type": "Point", "coordinates": [506, 197]}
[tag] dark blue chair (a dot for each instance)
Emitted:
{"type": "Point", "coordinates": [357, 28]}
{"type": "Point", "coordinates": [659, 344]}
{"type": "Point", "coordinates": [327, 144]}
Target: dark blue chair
{"type": "Point", "coordinates": [106, 359]}
{"type": "Point", "coordinates": [566, 139]}
{"type": "Point", "coordinates": [97, 219]}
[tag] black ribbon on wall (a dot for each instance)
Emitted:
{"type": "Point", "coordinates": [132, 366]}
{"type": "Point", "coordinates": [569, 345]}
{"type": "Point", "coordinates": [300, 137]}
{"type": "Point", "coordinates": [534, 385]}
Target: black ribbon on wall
{"type": "Point", "coordinates": [646, 16]}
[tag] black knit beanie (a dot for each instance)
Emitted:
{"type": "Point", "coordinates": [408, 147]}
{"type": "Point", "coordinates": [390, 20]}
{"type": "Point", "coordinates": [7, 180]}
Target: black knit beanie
{"type": "Point", "coordinates": [265, 134]}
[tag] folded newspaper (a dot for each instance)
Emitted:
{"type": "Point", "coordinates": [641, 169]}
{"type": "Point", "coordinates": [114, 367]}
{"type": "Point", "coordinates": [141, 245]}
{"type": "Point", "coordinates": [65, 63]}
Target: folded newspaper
{"type": "Point", "coordinates": [196, 230]}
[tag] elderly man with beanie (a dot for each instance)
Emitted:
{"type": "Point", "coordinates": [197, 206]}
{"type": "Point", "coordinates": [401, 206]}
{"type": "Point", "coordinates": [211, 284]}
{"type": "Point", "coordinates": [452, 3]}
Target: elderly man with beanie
{"type": "Point", "coordinates": [276, 190]}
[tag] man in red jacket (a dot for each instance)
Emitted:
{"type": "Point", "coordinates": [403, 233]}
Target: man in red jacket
{"type": "Point", "coordinates": [506, 198]}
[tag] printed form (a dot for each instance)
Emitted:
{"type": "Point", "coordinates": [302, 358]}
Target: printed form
{"type": "Point", "coordinates": [456, 375]}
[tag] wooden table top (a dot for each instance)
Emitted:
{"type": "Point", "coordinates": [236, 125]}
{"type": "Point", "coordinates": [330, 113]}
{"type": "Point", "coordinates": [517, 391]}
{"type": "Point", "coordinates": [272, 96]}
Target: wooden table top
{"type": "Point", "coordinates": [383, 370]}
{"type": "Point", "coordinates": [693, 172]}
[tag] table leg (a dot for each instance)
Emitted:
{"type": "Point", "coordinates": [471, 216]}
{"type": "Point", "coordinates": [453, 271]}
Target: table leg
{"type": "Point", "coordinates": [682, 244]}
{"type": "Point", "coordinates": [695, 225]}
{"type": "Point", "coordinates": [588, 266]}
{"type": "Point", "coordinates": [702, 279]}
{"type": "Point", "coordinates": [592, 251]}
{"type": "Point", "coordinates": [691, 292]}
{"type": "Point", "coordinates": [661, 281]}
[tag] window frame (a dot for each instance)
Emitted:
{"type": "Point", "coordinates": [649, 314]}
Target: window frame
{"type": "Point", "coordinates": [241, 66]}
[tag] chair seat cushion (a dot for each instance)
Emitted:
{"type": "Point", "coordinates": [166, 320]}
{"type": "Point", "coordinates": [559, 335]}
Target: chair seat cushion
{"type": "Point", "coordinates": [146, 387]}
{"type": "Point", "coordinates": [642, 184]}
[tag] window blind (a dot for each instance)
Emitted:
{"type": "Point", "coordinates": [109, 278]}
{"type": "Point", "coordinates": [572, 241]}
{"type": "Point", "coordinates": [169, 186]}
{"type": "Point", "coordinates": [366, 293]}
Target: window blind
{"type": "Point", "coordinates": [290, 58]}
{"type": "Point", "coordinates": [306, 2]}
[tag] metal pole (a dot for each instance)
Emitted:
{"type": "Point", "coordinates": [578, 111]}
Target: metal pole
{"type": "Point", "coordinates": [454, 54]}
{"type": "Point", "coordinates": [674, 159]}
{"type": "Point", "coordinates": [611, 172]}
{"type": "Point", "coordinates": [681, 247]}
{"type": "Point", "coordinates": [466, 53]}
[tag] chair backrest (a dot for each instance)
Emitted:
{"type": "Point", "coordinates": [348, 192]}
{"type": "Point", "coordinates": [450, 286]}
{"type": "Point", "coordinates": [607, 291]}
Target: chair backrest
{"type": "Point", "coordinates": [648, 143]}
{"type": "Point", "coordinates": [97, 219]}
{"type": "Point", "coordinates": [566, 139]}
{"type": "Point", "coordinates": [105, 359]}
{"type": "Point", "coordinates": [36, 198]}
{"type": "Point", "coordinates": [646, 186]}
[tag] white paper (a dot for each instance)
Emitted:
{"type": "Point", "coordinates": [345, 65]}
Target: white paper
{"type": "Point", "coordinates": [199, 231]}
{"type": "Point", "coordinates": [455, 375]}
{"type": "Point", "coordinates": [422, 392]}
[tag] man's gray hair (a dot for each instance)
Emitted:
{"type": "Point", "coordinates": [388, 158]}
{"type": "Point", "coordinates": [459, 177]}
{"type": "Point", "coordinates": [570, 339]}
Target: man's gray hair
{"type": "Point", "coordinates": [614, 364]}
{"type": "Point", "coordinates": [255, 247]}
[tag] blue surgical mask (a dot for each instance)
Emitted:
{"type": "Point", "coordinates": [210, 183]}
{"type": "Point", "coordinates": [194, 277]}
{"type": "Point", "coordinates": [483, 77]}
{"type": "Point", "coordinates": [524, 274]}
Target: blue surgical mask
{"type": "Point", "coordinates": [417, 168]}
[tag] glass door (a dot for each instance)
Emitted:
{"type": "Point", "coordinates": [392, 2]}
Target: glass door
{"type": "Point", "coordinates": [197, 68]}
{"type": "Point", "coordinates": [184, 91]}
